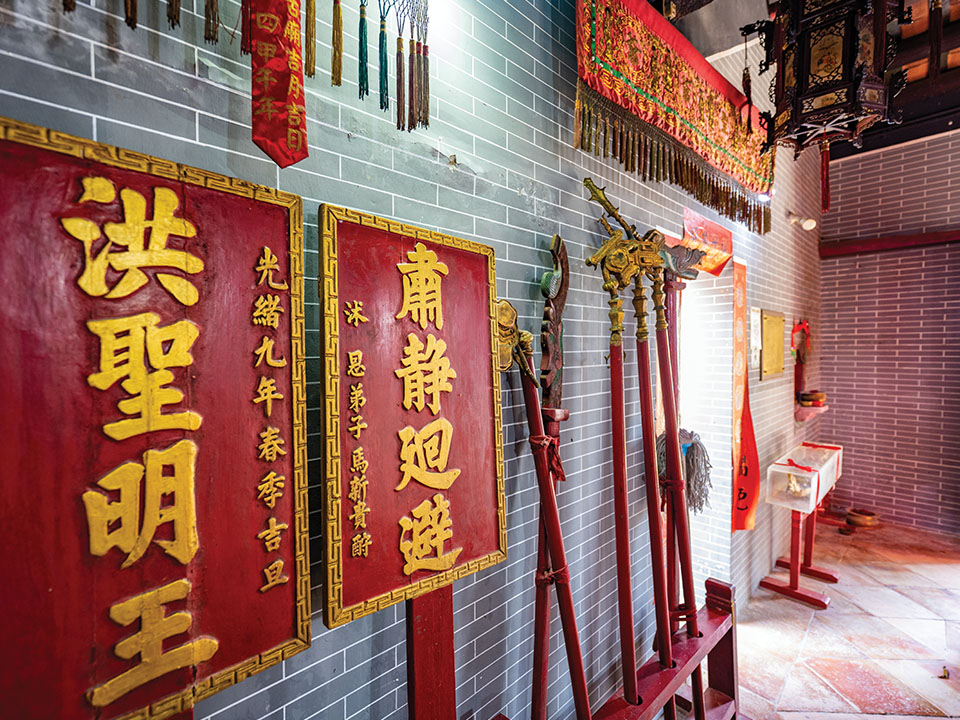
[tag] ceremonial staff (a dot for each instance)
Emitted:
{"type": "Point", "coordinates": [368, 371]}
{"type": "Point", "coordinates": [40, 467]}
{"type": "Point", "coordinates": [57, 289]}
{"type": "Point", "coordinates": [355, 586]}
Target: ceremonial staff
{"type": "Point", "coordinates": [626, 257]}
{"type": "Point", "coordinates": [551, 555]}
{"type": "Point", "coordinates": [616, 262]}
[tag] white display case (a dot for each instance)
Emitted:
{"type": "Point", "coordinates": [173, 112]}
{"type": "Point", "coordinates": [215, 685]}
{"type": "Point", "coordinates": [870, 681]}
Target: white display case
{"type": "Point", "coordinates": [801, 478]}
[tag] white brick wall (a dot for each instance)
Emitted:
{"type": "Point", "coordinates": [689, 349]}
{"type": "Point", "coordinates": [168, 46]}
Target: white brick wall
{"type": "Point", "coordinates": [503, 80]}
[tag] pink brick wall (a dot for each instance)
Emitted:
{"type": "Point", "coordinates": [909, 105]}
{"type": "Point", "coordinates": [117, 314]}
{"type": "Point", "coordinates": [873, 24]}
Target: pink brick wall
{"type": "Point", "coordinates": [890, 349]}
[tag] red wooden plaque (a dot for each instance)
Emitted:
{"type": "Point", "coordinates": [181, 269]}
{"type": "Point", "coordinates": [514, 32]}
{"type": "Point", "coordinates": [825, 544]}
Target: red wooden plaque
{"type": "Point", "coordinates": [152, 433]}
{"type": "Point", "coordinates": [414, 453]}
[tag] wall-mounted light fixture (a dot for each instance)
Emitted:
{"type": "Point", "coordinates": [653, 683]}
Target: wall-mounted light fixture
{"type": "Point", "coordinates": [806, 223]}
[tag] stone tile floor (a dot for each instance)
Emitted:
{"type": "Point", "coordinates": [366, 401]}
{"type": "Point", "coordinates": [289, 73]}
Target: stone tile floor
{"type": "Point", "coordinates": [892, 625]}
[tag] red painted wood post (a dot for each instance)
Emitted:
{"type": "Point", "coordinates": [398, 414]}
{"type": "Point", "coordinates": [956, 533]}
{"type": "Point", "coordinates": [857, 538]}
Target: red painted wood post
{"type": "Point", "coordinates": [673, 286]}
{"type": "Point", "coordinates": [431, 670]}
{"type": "Point", "coordinates": [809, 528]}
{"type": "Point", "coordinates": [796, 520]}
{"type": "Point", "coordinates": [541, 630]}
{"type": "Point", "coordinates": [550, 522]}
{"type": "Point", "coordinates": [679, 513]}
{"type": "Point", "coordinates": [661, 603]}
{"type": "Point", "coordinates": [621, 512]}
{"type": "Point", "coordinates": [722, 660]}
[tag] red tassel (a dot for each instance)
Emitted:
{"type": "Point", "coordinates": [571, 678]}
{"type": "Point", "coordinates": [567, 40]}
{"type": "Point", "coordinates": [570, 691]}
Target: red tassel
{"type": "Point", "coordinates": [825, 176]}
{"type": "Point", "coordinates": [246, 16]}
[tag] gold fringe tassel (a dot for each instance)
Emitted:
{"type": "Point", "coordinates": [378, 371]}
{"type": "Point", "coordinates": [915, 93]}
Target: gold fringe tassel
{"type": "Point", "coordinates": [211, 24]}
{"type": "Point", "coordinates": [173, 13]}
{"type": "Point", "coordinates": [412, 100]}
{"type": "Point", "coordinates": [310, 40]}
{"type": "Point", "coordinates": [130, 13]}
{"type": "Point", "coordinates": [401, 107]}
{"type": "Point", "coordinates": [336, 54]}
{"type": "Point", "coordinates": [604, 130]}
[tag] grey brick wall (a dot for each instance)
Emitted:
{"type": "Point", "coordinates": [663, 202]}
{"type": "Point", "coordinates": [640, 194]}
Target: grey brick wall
{"type": "Point", "coordinates": [890, 328]}
{"type": "Point", "coordinates": [892, 368]}
{"type": "Point", "coordinates": [503, 82]}
{"type": "Point", "coordinates": [904, 189]}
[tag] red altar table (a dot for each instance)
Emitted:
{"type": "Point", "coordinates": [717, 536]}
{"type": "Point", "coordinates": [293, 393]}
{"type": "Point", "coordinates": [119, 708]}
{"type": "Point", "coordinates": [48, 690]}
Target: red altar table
{"type": "Point", "coordinates": [799, 480]}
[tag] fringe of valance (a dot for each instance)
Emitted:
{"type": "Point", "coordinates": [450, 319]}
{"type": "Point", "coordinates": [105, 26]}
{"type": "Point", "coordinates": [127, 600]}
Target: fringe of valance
{"type": "Point", "coordinates": [607, 130]}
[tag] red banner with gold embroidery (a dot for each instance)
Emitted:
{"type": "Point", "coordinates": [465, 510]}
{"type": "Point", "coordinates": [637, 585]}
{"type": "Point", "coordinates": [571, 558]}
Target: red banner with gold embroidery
{"type": "Point", "coordinates": [650, 100]}
{"type": "Point", "coordinates": [276, 64]}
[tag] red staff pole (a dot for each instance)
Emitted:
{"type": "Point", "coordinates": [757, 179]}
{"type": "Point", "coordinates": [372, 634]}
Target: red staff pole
{"type": "Point", "coordinates": [675, 478]}
{"type": "Point", "coordinates": [673, 285]}
{"type": "Point", "coordinates": [622, 521]}
{"type": "Point", "coordinates": [541, 626]}
{"type": "Point", "coordinates": [550, 524]}
{"type": "Point", "coordinates": [652, 483]}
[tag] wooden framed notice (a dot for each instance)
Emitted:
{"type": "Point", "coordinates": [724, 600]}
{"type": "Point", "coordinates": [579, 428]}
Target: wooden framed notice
{"type": "Point", "coordinates": [771, 347]}
{"type": "Point", "coordinates": [414, 451]}
{"type": "Point", "coordinates": [153, 429]}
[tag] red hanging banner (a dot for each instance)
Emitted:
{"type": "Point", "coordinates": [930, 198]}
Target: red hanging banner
{"type": "Point", "coordinates": [276, 64]}
{"type": "Point", "coordinates": [714, 239]}
{"type": "Point", "coordinates": [746, 470]}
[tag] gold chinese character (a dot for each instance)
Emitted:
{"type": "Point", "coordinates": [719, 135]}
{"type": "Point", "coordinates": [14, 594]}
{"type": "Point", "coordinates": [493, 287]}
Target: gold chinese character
{"type": "Point", "coordinates": [167, 497]}
{"type": "Point", "coordinates": [358, 489]}
{"type": "Point", "coordinates": [267, 392]}
{"type": "Point", "coordinates": [295, 114]}
{"type": "Point", "coordinates": [270, 489]}
{"type": "Point", "coordinates": [266, 265]}
{"type": "Point", "coordinates": [425, 373]}
{"type": "Point", "coordinates": [266, 310]}
{"type": "Point", "coordinates": [265, 352]}
{"type": "Point", "coordinates": [126, 346]}
{"type": "Point", "coordinates": [359, 516]}
{"type": "Point", "coordinates": [421, 287]}
{"type": "Point", "coordinates": [357, 425]}
{"type": "Point", "coordinates": [294, 60]}
{"type": "Point", "coordinates": [129, 235]}
{"type": "Point", "coordinates": [266, 50]}
{"type": "Point", "coordinates": [270, 442]}
{"type": "Point", "coordinates": [273, 573]}
{"type": "Point", "coordinates": [292, 31]}
{"type": "Point", "coordinates": [155, 627]}
{"type": "Point", "coordinates": [295, 138]}
{"type": "Point", "coordinates": [429, 530]}
{"type": "Point", "coordinates": [354, 313]}
{"type": "Point", "coordinates": [356, 398]}
{"type": "Point", "coordinates": [271, 536]}
{"type": "Point", "coordinates": [358, 463]}
{"type": "Point", "coordinates": [355, 367]}
{"type": "Point", "coordinates": [360, 545]}
{"type": "Point", "coordinates": [267, 21]}
{"type": "Point", "coordinates": [266, 106]}
{"type": "Point", "coordinates": [294, 87]}
{"type": "Point", "coordinates": [424, 455]}
{"type": "Point", "coordinates": [263, 76]}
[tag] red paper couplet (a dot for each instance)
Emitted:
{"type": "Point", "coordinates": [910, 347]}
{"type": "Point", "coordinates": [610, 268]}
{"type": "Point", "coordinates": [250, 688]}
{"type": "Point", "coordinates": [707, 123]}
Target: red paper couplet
{"type": "Point", "coordinates": [746, 472]}
{"type": "Point", "coordinates": [276, 64]}
{"type": "Point", "coordinates": [746, 481]}
{"type": "Point", "coordinates": [413, 460]}
{"type": "Point", "coordinates": [153, 430]}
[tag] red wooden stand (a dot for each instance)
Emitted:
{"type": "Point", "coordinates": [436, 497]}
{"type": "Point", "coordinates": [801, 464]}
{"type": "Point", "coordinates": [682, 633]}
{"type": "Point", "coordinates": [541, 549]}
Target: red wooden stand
{"type": "Point", "coordinates": [431, 671]}
{"type": "Point", "coordinates": [792, 589]}
{"type": "Point", "coordinates": [717, 644]}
